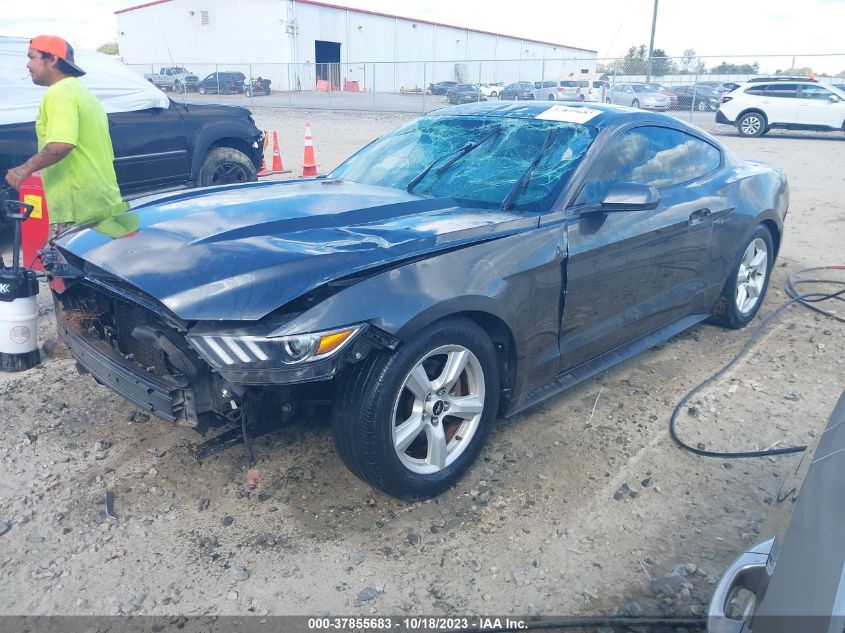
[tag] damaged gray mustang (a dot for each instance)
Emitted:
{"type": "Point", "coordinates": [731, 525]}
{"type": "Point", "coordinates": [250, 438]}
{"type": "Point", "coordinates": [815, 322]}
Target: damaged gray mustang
{"type": "Point", "coordinates": [467, 265]}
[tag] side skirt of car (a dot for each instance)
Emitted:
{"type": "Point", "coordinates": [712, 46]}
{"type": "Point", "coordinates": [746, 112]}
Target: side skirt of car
{"type": "Point", "coordinates": [594, 366]}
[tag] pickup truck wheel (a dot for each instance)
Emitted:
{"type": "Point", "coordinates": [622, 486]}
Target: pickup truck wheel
{"type": "Point", "coordinates": [225, 166]}
{"type": "Point", "coordinates": [179, 87]}
{"type": "Point", "coordinates": [201, 90]}
{"type": "Point", "coordinates": [747, 282]}
{"type": "Point", "coordinates": [411, 422]}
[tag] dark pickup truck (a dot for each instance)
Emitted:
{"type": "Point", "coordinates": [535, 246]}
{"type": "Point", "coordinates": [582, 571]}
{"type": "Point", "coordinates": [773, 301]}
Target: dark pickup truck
{"type": "Point", "coordinates": [156, 149]}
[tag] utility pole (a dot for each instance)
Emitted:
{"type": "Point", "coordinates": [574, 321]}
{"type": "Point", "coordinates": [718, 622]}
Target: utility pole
{"type": "Point", "coordinates": [651, 43]}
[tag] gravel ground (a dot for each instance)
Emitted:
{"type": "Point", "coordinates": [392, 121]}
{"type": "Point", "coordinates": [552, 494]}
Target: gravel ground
{"type": "Point", "coordinates": [583, 505]}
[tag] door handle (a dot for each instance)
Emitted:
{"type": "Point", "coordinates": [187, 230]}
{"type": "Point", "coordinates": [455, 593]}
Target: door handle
{"type": "Point", "coordinates": [698, 216]}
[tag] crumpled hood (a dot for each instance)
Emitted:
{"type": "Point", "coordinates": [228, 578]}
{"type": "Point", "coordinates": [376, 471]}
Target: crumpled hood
{"type": "Point", "coordinates": [239, 252]}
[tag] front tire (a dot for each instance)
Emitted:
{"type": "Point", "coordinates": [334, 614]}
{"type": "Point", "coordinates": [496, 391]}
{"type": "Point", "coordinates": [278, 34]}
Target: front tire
{"type": "Point", "coordinates": [747, 282]}
{"type": "Point", "coordinates": [635, 104]}
{"type": "Point", "coordinates": [411, 422]}
{"type": "Point", "coordinates": [702, 106]}
{"type": "Point", "coordinates": [226, 166]}
{"type": "Point", "coordinates": [201, 90]}
{"type": "Point", "coordinates": [751, 125]}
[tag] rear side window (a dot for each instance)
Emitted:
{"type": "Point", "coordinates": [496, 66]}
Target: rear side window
{"type": "Point", "coordinates": [703, 157]}
{"type": "Point", "coordinates": [757, 90]}
{"type": "Point", "coordinates": [783, 91]}
{"type": "Point", "coordinates": [648, 155]}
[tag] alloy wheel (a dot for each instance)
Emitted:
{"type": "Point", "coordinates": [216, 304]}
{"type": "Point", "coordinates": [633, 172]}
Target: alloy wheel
{"type": "Point", "coordinates": [438, 409]}
{"type": "Point", "coordinates": [751, 125]}
{"type": "Point", "coordinates": [751, 276]}
{"type": "Point", "coordinates": [227, 173]}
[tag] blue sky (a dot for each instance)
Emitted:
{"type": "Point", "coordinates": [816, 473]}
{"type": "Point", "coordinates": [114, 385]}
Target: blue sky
{"type": "Point", "coordinates": [723, 29]}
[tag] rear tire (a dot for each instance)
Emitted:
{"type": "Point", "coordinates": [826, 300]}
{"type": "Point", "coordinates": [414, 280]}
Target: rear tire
{"type": "Point", "coordinates": [702, 106]}
{"type": "Point", "coordinates": [392, 390]}
{"type": "Point", "coordinates": [635, 104]}
{"type": "Point", "coordinates": [225, 166]}
{"type": "Point", "coordinates": [751, 124]}
{"type": "Point", "coordinates": [746, 285]}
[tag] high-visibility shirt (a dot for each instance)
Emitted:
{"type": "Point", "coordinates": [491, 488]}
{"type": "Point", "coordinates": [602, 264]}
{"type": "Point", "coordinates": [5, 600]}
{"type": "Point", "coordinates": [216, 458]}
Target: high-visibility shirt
{"type": "Point", "coordinates": [82, 187]}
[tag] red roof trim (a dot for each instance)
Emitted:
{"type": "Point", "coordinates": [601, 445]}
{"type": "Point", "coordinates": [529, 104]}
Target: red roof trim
{"type": "Point", "coordinates": [451, 26]}
{"type": "Point", "coordinates": [140, 6]}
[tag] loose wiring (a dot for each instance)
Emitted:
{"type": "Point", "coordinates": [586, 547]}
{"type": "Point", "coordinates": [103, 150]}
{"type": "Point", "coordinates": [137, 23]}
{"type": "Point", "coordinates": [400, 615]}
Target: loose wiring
{"type": "Point", "coordinates": [808, 300]}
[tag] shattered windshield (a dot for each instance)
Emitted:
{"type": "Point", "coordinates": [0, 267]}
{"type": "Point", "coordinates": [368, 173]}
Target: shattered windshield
{"type": "Point", "coordinates": [430, 156]}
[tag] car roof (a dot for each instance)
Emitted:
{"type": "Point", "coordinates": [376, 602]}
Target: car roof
{"type": "Point", "coordinates": [609, 115]}
{"type": "Point", "coordinates": [780, 78]}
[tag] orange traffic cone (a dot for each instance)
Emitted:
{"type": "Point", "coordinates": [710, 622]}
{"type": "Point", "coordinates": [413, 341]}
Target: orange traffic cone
{"type": "Point", "coordinates": [309, 161]}
{"type": "Point", "coordinates": [277, 157]}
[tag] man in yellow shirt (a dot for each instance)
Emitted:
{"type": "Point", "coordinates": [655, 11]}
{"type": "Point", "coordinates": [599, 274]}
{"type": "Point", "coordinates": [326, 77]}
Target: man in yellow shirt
{"type": "Point", "coordinates": [75, 153]}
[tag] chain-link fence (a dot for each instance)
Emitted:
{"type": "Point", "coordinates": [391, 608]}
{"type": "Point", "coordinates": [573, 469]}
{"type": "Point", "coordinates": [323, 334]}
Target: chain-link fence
{"type": "Point", "coordinates": [692, 83]}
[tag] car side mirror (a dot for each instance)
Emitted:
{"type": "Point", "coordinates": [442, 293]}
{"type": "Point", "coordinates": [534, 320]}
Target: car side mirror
{"type": "Point", "coordinates": [834, 98]}
{"type": "Point", "coordinates": [630, 196]}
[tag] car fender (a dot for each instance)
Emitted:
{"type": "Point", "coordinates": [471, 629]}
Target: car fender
{"type": "Point", "coordinates": [516, 280]}
{"type": "Point", "coordinates": [211, 134]}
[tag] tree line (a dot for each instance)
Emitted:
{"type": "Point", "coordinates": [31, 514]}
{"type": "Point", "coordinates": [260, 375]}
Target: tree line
{"type": "Point", "coordinates": [636, 62]}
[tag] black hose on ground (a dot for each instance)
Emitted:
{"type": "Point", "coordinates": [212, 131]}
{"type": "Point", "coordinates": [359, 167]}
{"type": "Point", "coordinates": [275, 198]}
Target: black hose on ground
{"type": "Point", "coordinates": [808, 300]}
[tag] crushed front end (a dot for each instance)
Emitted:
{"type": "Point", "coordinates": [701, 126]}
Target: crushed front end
{"type": "Point", "coordinates": [198, 374]}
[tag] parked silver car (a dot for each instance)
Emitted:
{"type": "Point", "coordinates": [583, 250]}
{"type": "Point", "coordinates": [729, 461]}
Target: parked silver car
{"type": "Point", "coordinates": [637, 96]}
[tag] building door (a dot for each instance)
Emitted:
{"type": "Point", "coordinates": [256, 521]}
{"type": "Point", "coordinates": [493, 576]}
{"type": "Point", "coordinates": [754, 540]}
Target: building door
{"type": "Point", "coordinates": [327, 58]}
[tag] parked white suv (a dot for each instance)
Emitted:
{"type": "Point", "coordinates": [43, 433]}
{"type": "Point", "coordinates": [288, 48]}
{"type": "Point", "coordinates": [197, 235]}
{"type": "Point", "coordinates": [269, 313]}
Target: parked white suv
{"type": "Point", "coordinates": [755, 108]}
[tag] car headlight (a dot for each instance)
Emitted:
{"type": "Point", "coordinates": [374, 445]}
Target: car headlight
{"type": "Point", "coordinates": [228, 350]}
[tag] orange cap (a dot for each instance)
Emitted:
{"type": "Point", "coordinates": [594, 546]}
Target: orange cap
{"type": "Point", "coordinates": [54, 45]}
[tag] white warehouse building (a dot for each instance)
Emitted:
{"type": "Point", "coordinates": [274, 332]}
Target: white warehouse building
{"type": "Point", "coordinates": [308, 45]}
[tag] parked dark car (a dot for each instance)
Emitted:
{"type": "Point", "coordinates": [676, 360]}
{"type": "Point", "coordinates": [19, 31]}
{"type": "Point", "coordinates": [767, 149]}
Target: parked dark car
{"type": "Point", "coordinates": [441, 87]}
{"type": "Point", "coordinates": [793, 580]}
{"type": "Point", "coordinates": [722, 87]}
{"type": "Point", "coordinates": [224, 83]}
{"type": "Point", "coordinates": [464, 93]}
{"type": "Point", "coordinates": [512, 251]}
{"type": "Point", "coordinates": [698, 98]}
{"type": "Point", "coordinates": [517, 91]}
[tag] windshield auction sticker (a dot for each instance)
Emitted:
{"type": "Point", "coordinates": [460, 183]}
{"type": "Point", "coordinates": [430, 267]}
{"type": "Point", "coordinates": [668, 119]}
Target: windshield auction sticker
{"type": "Point", "coordinates": [568, 114]}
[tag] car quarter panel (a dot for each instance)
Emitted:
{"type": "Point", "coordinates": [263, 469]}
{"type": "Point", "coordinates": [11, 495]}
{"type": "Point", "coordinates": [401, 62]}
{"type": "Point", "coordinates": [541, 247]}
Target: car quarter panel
{"type": "Point", "coordinates": [516, 279]}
